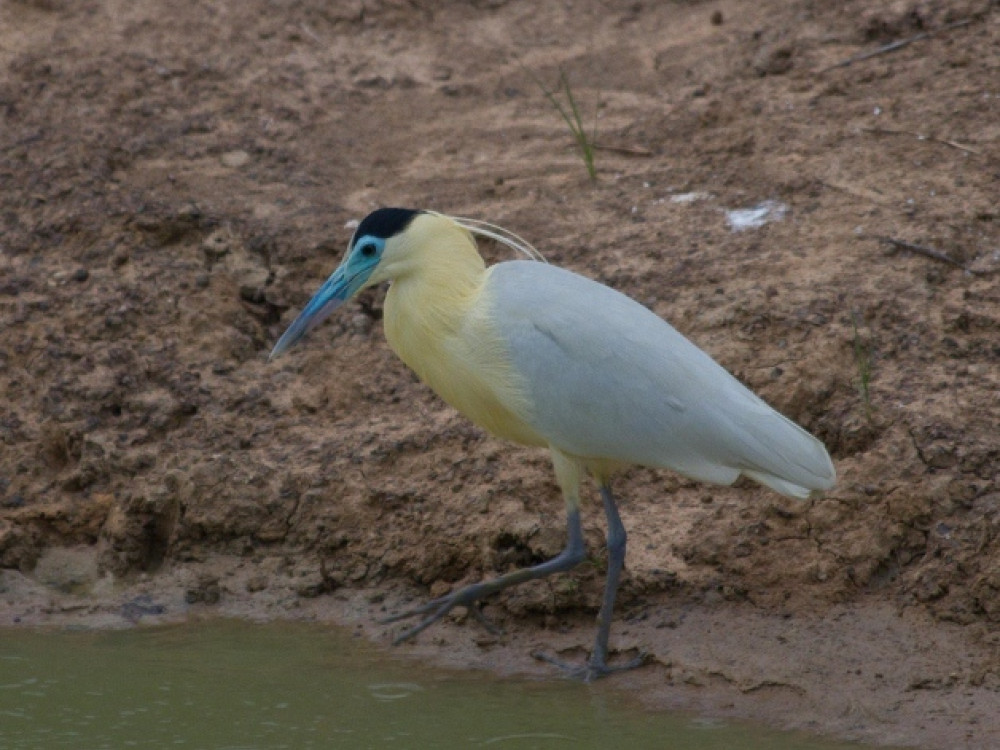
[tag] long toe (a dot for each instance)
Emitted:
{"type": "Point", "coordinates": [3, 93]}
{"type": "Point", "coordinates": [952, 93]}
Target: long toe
{"type": "Point", "coordinates": [423, 609]}
{"type": "Point", "coordinates": [492, 627]}
{"type": "Point", "coordinates": [593, 669]}
{"type": "Point", "coordinates": [421, 626]}
{"type": "Point", "coordinates": [435, 609]}
{"type": "Point", "coordinates": [601, 668]}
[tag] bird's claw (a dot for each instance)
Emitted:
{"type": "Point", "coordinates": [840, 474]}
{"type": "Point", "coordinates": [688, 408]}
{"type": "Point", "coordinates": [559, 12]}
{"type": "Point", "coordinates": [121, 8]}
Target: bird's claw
{"type": "Point", "coordinates": [483, 620]}
{"type": "Point", "coordinates": [593, 669]}
{"type": "Point", "coordinates": [423, 609]}
{"type": "Point", "coordinates": [435, 609]}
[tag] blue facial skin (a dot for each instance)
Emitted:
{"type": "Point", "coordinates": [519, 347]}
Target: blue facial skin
{"type": "Point", "coordinates": [350, 276]}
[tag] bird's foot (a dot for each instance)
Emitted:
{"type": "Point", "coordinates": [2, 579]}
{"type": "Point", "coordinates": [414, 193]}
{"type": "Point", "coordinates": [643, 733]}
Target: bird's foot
{"type": "Point", "coordinates": [435, 609]}
{"type": "Point", "coordinates": [593, 669]}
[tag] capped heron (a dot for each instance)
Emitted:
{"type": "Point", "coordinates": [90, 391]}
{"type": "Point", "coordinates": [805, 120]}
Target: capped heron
{"type": "Point", "coordinates": [542, 356]}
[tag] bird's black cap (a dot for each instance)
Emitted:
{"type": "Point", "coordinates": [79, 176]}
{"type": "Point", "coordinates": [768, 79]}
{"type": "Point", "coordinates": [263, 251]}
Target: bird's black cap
{"type": "Point", "coordinates": [385, 222]}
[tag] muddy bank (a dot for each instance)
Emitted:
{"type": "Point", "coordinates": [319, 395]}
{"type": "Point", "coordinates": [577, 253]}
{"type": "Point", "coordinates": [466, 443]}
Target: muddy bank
{"type": "Point", "coordinates": [864, 670]}
{"type": "Point", "coordinates": [175, 180]}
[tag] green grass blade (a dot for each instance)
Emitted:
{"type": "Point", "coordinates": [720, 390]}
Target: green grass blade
{"type": "Point", "coordinates": [572, 117]}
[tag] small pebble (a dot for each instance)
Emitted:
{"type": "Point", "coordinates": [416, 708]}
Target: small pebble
{"type": "Point", "coordinates": [361, 323]}
{"type": "Point", "coordinates": [81, 275]}
{"type": "Point", "coordinates": [235, 158]}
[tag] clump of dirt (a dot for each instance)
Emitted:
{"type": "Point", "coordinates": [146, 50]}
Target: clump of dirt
{"type": "Point", "coordinates": [175, 180]}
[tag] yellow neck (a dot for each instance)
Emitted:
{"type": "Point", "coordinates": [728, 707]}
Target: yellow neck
{"type": "Point", "coordinates": [437, 320]}
{"type": "Point", "coordinates": [439, 282]}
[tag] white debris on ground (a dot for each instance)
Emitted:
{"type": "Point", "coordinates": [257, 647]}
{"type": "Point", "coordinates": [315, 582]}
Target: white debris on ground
{"type": "Point", "coordinates": [756, 217]}
{"type": "Point", "coordinates": [689, 197]}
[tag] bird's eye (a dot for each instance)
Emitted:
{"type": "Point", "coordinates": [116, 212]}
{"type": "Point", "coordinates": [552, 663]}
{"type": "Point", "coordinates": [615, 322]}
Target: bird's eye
{"type": "Point", "coordinates": [368, 250]}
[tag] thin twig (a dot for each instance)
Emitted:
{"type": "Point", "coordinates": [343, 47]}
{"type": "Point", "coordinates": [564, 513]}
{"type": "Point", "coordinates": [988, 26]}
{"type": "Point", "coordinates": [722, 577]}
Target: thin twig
{"type": "Point", "coordinates": [870, 194]}
{"type": "Point", "coordinates": [863, 360]}
{"type": "Point", "coordinates": [627, 150]}
{"type": "Point", "coordinates": [922, 137]}
{"type": "Point", "coordinates": [898, 44]}
{"type": "Point", "coordinates": [310, 33]}
{"type": "Point", "coordinates": [927, 252]}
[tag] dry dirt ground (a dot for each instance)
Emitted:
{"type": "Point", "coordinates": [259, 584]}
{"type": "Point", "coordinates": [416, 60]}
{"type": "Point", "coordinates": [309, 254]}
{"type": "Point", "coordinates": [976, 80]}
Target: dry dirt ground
{"type": "Point", "coordinates": [176, 178]}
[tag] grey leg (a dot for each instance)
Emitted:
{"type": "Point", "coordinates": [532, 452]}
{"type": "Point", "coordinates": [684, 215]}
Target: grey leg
{"type": "Point", "coordinates": [597, 665]}
{"type": "Point", "coordinates": [617, 541]}
{"type": "Point", "coordinates": [434, 610]}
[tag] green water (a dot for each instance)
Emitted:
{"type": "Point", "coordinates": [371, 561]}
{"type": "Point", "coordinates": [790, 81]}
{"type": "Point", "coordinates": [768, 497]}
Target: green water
{"type": "Point", "coordinates": [236, 686]}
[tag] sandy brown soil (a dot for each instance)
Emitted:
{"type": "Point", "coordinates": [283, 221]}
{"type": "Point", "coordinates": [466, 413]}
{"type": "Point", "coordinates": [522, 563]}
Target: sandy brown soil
{"type": "Point", "coordinates": [177, 177]}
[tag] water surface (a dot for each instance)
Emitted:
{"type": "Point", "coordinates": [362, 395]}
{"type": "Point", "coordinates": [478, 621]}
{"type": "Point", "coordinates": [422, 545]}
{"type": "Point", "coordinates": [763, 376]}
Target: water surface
{"type": "Point", "coordinates": [236, 686]}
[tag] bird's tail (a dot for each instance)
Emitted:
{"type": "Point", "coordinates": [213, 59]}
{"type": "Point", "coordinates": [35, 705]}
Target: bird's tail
{"type": "Point", "coordinates": [784, 487]}
{"type": "Point", "coordinates": [781, 455]}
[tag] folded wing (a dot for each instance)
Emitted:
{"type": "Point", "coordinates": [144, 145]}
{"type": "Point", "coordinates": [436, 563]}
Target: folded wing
{"type": "Point", "coordinates": [609, 379]}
